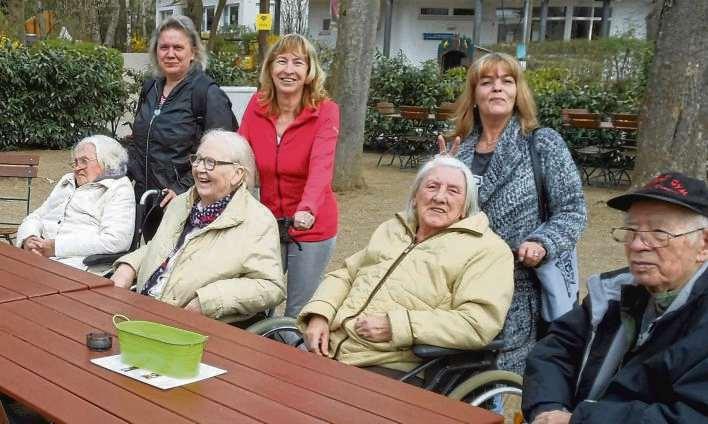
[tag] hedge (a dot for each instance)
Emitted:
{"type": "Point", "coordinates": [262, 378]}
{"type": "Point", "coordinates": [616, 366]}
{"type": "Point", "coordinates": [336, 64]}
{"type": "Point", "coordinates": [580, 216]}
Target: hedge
{"type": "Point", "coordinates": [56, 92]}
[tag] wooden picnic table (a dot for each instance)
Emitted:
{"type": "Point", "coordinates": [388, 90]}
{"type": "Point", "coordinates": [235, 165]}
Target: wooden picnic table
{"type": "Point", "coordinates": [46, 366]}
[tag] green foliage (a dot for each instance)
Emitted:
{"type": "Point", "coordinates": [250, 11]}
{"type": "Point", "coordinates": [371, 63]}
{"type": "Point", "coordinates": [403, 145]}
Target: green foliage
{"type": "Point", "coordinates": [56, 92]}
{"type": "Point", "coordinates": [225, 73]}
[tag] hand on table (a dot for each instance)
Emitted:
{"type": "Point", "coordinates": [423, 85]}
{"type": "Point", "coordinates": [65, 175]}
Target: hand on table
{"type": "Point", "coordinates": [303, 220]}
{"type": "Point", "coordinates": [317, 335]}
{"type": "Point", "coordinates": [124, 276]}
{"type": "Point", "coordinates": [531, 253]}
{"type": "Point", "coordinates": [375, 328]}
{"type": "Point", "coordinates": [553, 417]}
{"type": "Point", "coordinates": [194, 306]}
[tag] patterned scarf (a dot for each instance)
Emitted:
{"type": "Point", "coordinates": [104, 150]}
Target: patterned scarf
{"type": "Point", "coordinates": [198, 218]}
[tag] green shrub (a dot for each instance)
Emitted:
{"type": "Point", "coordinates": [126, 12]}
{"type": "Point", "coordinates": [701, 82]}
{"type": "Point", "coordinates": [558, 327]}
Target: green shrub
{"type": "Point", "coordinates": [222, 69]}
{"type": "Point", "coordinates": [56, 92]}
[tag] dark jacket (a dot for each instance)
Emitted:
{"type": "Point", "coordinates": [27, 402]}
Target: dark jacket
{"type": "Point", "coordinates": [662, 380]}
{"type": "Point", "coordinates": [162, 141]}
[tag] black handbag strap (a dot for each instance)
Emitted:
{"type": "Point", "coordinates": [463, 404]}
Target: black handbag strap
{"type": "Point", "coordinates": [538, 177]}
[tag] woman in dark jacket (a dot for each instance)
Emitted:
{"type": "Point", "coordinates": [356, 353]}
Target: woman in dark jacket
{"type": "Point", "coordinates": [167, 125]}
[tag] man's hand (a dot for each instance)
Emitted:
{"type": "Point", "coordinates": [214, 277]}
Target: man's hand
{"type": "Point", "coordinates": [531, 253]}
{"type": "Point", "coordinates": [124, 276]}
{"type": "Point", "coordinates": [168, 195]}
{"type": "Point", "coordinates": [375, 328]}
{"type": "Point", "coordinates": [194, 306]}
{"type": "Point", "coordinates": [317, 335]}
{"type": "Point", "coordinates": [553, 417]}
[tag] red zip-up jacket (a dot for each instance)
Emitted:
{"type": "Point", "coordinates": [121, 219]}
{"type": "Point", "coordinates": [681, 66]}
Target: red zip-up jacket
{"type": "Point", "coordinates": [296, 175]}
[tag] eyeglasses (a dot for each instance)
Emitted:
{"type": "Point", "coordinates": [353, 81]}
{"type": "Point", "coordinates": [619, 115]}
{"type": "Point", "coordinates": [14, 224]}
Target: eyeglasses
{"type": "Point", "coordinates": [80, 162]}
{"type": "Point", "coordinates": [209, 163]}
{"type": "Point", "coordinates": [650, 238]}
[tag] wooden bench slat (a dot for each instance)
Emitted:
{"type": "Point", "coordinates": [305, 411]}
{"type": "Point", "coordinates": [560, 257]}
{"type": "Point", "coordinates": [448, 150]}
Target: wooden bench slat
{"type": "Point", "coordinates": [18, 159]}
{"type": "Point", "coordinates": [371, 381]}
{"type": "Point", "coordinates": [7, 295]}
{"type": "Point", "coordinates": [18, 171]}
{"type": "Point", "coordinates": [361, 394]}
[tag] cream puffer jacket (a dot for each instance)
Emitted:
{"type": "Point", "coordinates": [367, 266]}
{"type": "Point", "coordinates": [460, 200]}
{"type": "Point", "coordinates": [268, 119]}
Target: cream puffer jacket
{"type": "Point", "coordinates": [95, 218]}
{"type": "Point", "coordinates": [233, 264]}
{"type": "Point", "coordinates": [451, 290]}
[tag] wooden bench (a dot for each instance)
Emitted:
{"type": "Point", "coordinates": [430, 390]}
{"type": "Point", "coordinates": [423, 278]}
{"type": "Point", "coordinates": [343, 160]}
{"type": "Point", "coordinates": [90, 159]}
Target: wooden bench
{"type": "Point", "coordinates": [14, 165]}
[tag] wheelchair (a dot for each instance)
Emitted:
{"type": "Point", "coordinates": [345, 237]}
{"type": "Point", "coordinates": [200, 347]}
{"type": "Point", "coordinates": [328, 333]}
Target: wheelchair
{"type": "Point", "coordinates": [466, 375]}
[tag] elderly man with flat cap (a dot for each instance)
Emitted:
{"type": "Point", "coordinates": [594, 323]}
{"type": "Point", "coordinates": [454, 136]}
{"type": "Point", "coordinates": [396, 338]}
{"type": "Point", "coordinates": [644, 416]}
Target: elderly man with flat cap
{"type": "Point", "coordinates": [636, 350]}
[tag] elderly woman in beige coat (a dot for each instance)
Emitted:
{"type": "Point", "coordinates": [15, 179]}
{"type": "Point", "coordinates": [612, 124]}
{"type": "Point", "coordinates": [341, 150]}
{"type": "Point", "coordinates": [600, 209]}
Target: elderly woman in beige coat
{"type": "Point", "coordinates": [435, 275]}
{"type": "Point", "coordinates": [217, 249]}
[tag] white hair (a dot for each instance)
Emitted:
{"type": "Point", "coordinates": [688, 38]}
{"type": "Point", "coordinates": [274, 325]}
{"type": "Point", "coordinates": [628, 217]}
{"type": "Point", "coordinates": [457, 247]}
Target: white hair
{"type": "Point", "coordinates": [238, 151]}
{"type": "Point", "coordinates": [111, 156]}
{"type": "Point", "coordinates": [694, 222]}
{"type": "Point", "coordinates": [184, 24]}
{"type": "Point", "coordinates": [471, 204]}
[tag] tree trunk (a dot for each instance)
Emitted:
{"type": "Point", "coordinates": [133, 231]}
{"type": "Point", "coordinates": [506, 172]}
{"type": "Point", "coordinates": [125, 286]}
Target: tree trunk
{"type": "Point", "coordinates": [356, 42]}
{"type": "Point", "coordinates": [195, 10]}
{"type": "Point", "coordinates": [16, 19]}
{"type": "Point", "coordinates": [221, 4]}
{"type": "Point", "coordinates": [114, 7]}
{"type": "Point", "coordinates": [94, 30]}
{"type": "Point", "coordinates": [674, 117]}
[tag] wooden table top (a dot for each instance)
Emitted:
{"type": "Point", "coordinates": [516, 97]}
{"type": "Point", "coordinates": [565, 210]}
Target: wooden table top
{"type": "Point", "coordinates": [46, 365]}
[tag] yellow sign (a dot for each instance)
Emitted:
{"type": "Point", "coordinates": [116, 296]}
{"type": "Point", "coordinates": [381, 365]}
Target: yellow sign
{"type": "Point", "coordinates": [264, 21]}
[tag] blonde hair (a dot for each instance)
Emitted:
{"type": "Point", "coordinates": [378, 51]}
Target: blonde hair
{"type": "Point", "coordinates": [314, 92]}
{"type": "Point", "coordinates": [467, 114]}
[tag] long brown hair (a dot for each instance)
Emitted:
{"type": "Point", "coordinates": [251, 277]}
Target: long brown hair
{"type": "Point", "coordinates": [313, 93]}
{"type": "Point", "coordinates": [466, 114]}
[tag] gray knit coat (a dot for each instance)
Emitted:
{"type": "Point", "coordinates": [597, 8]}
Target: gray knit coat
{"type": "Point", "coordinates": [508, 197]}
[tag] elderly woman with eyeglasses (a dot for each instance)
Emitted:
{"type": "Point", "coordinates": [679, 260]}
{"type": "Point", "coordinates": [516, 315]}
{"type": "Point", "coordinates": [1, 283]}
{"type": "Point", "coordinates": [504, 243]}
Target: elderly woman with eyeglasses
{"type": "Point", "coordinates": [90, 211]}
{"type": "Point", "coordinates": [217, 250]}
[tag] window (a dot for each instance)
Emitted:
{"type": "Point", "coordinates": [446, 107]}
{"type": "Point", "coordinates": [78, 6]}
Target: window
{"type": "Point", "coordinates": [164, 14]}
{"type": "Point", "coordinates": [208, 18]}
{"type": "Point", "coordinates": [509, 24]}
{"type": "Point", "coordinates": [326, 23]}
{"type": "Point", "coordinates": [232, 15]}
{"type": "Point", "coordinates": [433, 11]}
{"type": "Point", "coordinates": [463, 12]}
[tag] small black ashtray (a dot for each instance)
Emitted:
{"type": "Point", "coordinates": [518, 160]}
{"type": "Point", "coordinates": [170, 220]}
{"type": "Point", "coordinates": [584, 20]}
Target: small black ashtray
{"type": "Point", "coordinates": [99, 341]}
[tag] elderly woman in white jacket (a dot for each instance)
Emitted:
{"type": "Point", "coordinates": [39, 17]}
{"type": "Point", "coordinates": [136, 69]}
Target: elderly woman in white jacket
{"type": "Point", "coordinates": [90, 211]}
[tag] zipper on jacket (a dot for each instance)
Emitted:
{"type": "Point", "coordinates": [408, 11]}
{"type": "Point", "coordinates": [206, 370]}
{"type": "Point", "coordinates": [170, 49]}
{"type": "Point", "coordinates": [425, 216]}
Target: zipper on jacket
{"type": "Point", "coordinates": [376, 289]}
{"type": "Point", "coordinates": [586, 355]}
{"type": "Point", "coordinates": [277, 174]}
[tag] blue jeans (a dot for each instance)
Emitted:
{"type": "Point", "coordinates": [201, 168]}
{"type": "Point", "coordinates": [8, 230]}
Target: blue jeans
{"type": "Point", "coordinates": [304, 271]}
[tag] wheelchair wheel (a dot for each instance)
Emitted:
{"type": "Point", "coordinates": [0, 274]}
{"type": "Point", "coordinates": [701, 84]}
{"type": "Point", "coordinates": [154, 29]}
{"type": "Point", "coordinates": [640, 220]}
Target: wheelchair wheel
{"type": "Point", "coordinates": [280, 329]}
{"type": "Point", "coordinates": [497, 391]}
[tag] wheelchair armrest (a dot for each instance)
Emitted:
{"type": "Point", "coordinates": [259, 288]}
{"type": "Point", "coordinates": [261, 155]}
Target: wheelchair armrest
{"type": "Point", "coordinates": [431, 352]}
{"type": "Point", "coordinates": [102, 259]}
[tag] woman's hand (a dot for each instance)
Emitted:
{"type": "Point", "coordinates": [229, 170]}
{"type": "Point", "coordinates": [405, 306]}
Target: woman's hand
{"type": "Point", "coordinates": [374, 328]}
{"type": "Point", "coordinates": [531, 253]}
{"type": "Point", "coordinates": [317, 335]}
{"type": "Point", "coordinates": [194, 306]}
{"type": "Point", "coordinates": [45, 248]}
{"type": "Point", "coordinates": [33, 244]}
{"type": "Point", "coordinates": [124, 276]}
{"type": "Point", "coordinates": [303, 220]}
{"type": "Point", "coordinates": [168, 195]}
{"type": "Point", "coordinates": [454, 148]}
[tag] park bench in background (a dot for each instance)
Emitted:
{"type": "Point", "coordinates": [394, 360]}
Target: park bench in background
{"type": "Point", "coordinates": [21, 167]}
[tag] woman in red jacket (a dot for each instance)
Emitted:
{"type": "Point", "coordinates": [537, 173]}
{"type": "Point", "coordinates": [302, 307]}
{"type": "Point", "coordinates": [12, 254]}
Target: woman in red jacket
{"type": "Point", "coordinates": [292, 127]}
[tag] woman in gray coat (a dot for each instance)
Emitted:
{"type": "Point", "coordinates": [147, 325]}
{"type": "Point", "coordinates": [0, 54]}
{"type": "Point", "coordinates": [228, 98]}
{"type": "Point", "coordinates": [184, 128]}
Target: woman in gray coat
{"type": "Point", "coordinates": [496, 115]}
